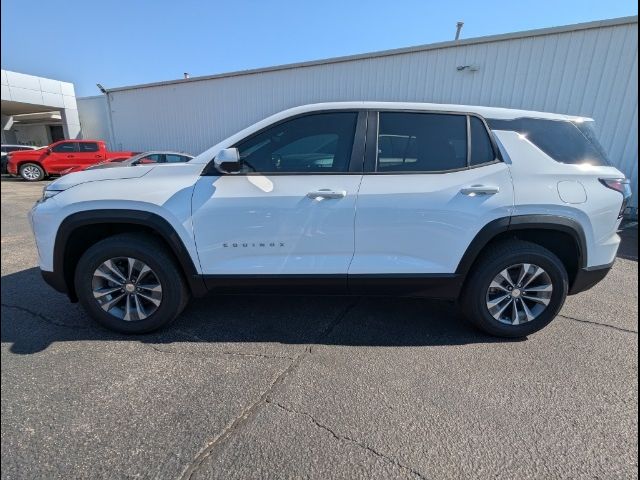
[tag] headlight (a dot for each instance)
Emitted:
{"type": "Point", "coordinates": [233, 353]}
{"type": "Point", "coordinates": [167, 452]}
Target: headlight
{"type": "Point", "coordinates": [47, 194]}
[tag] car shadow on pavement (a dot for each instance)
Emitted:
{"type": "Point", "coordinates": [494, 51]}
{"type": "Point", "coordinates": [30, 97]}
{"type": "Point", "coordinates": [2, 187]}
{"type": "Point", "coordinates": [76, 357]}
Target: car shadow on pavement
{"type": "Point", "coordinates": [629, 246]}
{"type": "Point", "coordinates": [35, 317]}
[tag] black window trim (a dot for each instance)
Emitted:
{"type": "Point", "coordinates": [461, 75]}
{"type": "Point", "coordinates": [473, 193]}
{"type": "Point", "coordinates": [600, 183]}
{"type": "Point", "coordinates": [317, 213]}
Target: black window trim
{"type": "Point", "coordinates": [356, 161]}
{"type": "Point", "coordinates": [366, 134]}
{"type": "Point", "coordinates": [371, 163]}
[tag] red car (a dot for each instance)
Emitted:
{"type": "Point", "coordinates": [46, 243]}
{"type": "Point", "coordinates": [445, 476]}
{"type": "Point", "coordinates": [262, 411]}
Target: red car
{"type": "Point", "coordinates": [35, 165]}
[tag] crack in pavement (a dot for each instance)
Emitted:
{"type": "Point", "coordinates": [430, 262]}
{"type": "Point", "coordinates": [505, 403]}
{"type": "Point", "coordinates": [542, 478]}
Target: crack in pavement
{"type": "Point", "coordinates": [345, 438]}
{"type": "Point", "coordinates": [248, 412]}
{"type": "Point", "coordinates": [237, 422]}
{"type": "Point", "coordinates": [591, 322]}
{"type": "Point", "coordinates": [189, 335]}
{"type": "Point", "coordinates": [45, 318]}
{"type": "Point", "coordinates": [235, 354]}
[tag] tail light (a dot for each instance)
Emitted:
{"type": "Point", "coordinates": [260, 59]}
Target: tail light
{"type": "Point", "coordinates": [621, 185]}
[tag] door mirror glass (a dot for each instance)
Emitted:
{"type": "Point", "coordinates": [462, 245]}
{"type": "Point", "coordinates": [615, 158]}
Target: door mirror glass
{"type": "Point", "coordinates": [227, 160]}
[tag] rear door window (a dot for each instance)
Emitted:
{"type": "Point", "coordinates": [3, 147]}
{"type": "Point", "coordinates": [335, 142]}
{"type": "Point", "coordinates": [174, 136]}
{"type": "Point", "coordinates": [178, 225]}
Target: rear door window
{"type": "Point", "coordinates": [88, 147]}
{"type": "Point", "coordinates": [421, 142]}
{"type": "Point", "coordinates": [562, 140]}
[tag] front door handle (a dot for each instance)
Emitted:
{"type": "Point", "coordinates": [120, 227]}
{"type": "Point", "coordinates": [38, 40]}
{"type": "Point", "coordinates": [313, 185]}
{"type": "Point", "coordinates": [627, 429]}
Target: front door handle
{"type": "Point", "coordinates": [326, 193]}
{"type": "Point", "coordinates": [474, 190]}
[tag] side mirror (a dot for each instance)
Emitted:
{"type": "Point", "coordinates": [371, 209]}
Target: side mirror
{"type": "Point", "coordinates": [227, 160]}
{"type": "Point", "coordinates": [49, 150]}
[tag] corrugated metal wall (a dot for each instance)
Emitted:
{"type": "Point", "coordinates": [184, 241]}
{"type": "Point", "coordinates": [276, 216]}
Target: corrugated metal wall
{"type": "Point", "coordinates": [94, 118]}
{"type": "Point", "coordinates": [584, 71]}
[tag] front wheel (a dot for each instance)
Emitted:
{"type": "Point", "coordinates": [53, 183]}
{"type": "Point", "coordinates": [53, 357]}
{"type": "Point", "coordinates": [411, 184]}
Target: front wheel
{"type": "Point", "coordinates": [515, 289]}
{"type": "Point", "coordinates": [130, 283]}
{"type": "Point", "coordinates": [32, 172]}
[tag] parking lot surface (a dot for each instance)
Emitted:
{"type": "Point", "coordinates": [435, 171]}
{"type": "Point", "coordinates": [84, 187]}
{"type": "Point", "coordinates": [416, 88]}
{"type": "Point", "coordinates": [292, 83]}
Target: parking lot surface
{"type": "Point", "coordinates": [312, 387]}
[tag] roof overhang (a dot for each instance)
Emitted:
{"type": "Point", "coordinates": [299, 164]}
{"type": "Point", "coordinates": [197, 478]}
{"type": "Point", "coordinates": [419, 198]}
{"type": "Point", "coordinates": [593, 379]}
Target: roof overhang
{"type": "Point", "coordinates": [10, 108]}
{"type": "Point", "coordinates": [43, 117]}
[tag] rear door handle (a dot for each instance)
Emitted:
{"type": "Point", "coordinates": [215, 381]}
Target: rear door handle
{"type": "Point", "coordinates": [326, 193]}
{"type": "Point", "coordinates": [474, 190]}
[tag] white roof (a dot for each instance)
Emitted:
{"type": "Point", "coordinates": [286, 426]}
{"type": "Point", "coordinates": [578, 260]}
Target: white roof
{"type": "Point", "coordinates": [486, 112]}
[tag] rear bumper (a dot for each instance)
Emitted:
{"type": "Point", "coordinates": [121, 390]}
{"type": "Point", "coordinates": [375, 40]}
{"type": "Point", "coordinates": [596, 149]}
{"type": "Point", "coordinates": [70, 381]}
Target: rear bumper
{"type": "Point", "coordinates": [588, 277]}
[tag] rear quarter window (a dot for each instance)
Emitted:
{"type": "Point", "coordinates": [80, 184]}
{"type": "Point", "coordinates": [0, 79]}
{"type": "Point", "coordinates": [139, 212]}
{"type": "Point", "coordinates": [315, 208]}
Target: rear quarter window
{"type": "Point", "coordinates": [481, 147]}
{"type": "Point", "coordinates": [562, 140]}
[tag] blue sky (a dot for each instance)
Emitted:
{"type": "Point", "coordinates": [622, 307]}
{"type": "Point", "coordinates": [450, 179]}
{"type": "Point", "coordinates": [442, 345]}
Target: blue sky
{"type": "Point", "coordinates": [118, 43]}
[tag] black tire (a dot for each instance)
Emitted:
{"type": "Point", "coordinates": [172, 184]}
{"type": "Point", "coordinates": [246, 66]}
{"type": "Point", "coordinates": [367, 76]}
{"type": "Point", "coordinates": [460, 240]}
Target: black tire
{"type": "Point", "coordinates": [498, 257]}
{"type": "Point", "coordinates": [38, 174]}
{"type": "Point", "coordinates": [147, 249]}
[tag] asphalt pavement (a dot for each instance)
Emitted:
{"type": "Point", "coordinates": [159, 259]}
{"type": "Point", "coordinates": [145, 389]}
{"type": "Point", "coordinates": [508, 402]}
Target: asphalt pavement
{"type": "Point", "coordinates": [312, 387]}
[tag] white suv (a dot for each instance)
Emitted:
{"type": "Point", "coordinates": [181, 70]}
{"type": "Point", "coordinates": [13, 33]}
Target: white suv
{"type": "Point", "coordinates": [506, 210]}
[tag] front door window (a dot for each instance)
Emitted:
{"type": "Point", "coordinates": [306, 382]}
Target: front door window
{"type": "Point", "coordinates": [317, 143]}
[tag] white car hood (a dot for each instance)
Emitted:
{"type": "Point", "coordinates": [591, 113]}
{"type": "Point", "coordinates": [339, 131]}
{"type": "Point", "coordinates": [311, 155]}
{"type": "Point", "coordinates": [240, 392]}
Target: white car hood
{"type": "Point", "coordinates": [73, 179]}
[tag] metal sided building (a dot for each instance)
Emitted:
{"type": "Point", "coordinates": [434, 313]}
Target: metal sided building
{"type": "Point", "coordinates": [588, 69]}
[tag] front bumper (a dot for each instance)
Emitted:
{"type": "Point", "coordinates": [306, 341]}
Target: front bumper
{"type": "Point", "coordinates": [55, 281]}
{"type": "Point", "coordinates": [588, 277]}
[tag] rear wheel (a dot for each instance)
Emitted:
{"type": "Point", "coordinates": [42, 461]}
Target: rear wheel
{"type": "Point", "coordinates": [130, 283]}
{"type": "Point", "coordinates": [32, 172]}
{"type": "Point", "coordinates": [516, 289]}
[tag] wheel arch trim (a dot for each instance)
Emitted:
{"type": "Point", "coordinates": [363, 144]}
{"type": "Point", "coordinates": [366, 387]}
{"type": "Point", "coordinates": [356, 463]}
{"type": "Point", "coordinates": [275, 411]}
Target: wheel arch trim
{"type": "Point", "coordinates": [523, 222]}
{"type": "Point", "coordinates": [151, 220]}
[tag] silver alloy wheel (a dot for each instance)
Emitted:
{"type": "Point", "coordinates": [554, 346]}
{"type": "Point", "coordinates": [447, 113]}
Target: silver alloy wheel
{"type": "Point", "coordinates": [31, 173]}
{"type": "Point", "coordinates": [519, 294]}
{"type": "Point", "coordinates": [126, 288]}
